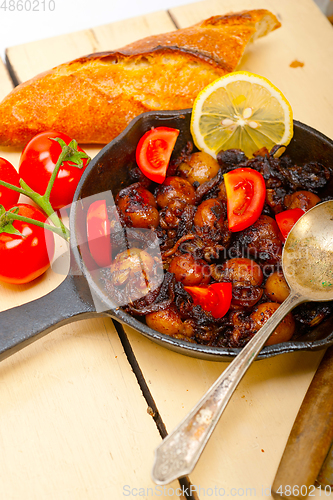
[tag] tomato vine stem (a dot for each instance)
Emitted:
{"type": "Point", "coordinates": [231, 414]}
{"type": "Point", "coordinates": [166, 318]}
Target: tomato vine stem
{"type": "Point", "coordinates": [12, 216]}
{"type": "Point", "coordinates": [13, 188]}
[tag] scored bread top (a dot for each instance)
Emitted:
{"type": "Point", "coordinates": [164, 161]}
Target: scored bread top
{"type": "Point", "coordinates": [221, 38]}
{"type": "Point", "coordinates": [93, 98]}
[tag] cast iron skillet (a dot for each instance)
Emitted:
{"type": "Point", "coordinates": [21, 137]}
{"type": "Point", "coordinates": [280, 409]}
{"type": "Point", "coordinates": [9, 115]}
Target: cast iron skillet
{"type": "Point", "coordinates": [72, 300]}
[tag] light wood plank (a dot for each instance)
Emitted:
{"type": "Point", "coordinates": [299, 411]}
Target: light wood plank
{"type": "Point", "coordinates": [74, 424]}
{"type": "Point", "coordinates": [306, 36]}
{"type": "Point", "coordinates": [30, 59]}
{"type": "Point", "coordinates": [246, 447]}
{"type": "Point", "coordinates": [116, 35]}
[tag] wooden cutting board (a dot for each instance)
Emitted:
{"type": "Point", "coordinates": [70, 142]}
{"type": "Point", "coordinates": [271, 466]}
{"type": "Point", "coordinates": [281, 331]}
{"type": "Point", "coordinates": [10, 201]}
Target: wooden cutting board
{"type": "Point", "coordinates": [74, 422]}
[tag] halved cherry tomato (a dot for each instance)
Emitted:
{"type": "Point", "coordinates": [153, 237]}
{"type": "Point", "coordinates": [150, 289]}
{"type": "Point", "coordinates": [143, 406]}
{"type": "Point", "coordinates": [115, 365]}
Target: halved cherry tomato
{"type": "Point", "coordinates": [286, 219]}
{"type": "Point", "coordinates": [154, 151]}
{"type": "Point", "coordinates": [37, 163]}
{"type": "Point", "coordinates": [246, 193]}
{"type": "Point", "coordinates": [25, 256]}
{"type": "Point", "coordinates": [8, 197]}
{"type": "Point", "coordinates": [98, 232]}
{"type": "Point", "coordinates": [214, 298]}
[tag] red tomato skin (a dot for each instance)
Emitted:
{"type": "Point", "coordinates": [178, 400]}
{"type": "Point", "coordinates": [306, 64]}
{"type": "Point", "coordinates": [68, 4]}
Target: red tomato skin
{"type": "Point", "coordinates": [8, 198]}
{"type": "Point", "coordinates": [214, 298]}
{"type": "Point", "coordinates": [286, 219]}
{"type": "Point", "coordinates": [24, 258]}
{"type": "Point", "coordinates": [224, 297]}
{"type": "Point", "coordinates": [252, 207]}
{"type": "Point", "coordinates": [160, 140]}
{"type": "Point", "coordinates": [98, 233]}
{"type": "Point", "coordinates": [37, 163]}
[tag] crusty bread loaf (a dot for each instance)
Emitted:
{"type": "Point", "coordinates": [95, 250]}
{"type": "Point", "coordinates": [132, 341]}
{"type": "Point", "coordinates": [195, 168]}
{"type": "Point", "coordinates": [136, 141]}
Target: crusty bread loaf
{"type": "Point", "coordinates": [93, 98]}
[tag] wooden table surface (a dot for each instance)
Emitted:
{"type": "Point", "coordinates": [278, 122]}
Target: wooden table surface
{"type": "Point", "coordinates": [74, 423]}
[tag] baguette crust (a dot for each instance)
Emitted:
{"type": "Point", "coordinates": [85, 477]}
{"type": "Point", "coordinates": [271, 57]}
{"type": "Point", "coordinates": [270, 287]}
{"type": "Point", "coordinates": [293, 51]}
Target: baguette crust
{"type": "Point", "coordinates": [93, 98]}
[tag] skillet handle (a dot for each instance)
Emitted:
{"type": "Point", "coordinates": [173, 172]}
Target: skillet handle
{"type": "Point", "coordinates": [22, 325]}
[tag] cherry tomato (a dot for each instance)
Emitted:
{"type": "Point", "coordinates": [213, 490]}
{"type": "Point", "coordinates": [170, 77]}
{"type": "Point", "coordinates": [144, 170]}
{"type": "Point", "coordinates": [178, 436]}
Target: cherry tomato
{"type": "Point", "coordinates": [8, 197]}
{"type": "Point", "coordinates": [154, 151]}
{"type": "Point", "coordinates": [25, 257]}
{"type": "Point", "coordinates": [246, 193]}
{"type": "Point", "coordinates": [214, 298]}
{"type": "Point", "coordinates": [286, 219]}
{"type": "Point", "coordinates": [37, 163]}
{"type": "Point", "coordinates": [98, 232]}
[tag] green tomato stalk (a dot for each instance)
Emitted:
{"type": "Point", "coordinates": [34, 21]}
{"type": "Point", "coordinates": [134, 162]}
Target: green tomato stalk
{"type": "Point", "coordinates": [69, 153]}
{"type": "Point", "coordinates": [7, 218]}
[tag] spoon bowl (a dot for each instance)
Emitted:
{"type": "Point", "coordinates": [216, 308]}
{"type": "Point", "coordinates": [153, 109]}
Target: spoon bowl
{"type": "Point", "coordinates": [307, 263]}
{"type": "Point", "coordinates": [308, 254]}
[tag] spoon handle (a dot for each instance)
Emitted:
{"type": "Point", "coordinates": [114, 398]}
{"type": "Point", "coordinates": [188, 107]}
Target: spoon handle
{"type": "Point", "coordinates": [179, 452]}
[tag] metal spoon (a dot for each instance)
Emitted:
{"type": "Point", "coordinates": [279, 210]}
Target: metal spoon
{"type": "Point", "coordinates": [307, 262]}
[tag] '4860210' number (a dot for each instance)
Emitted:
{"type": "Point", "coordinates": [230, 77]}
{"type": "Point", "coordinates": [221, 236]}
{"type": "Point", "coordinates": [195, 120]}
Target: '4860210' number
{"type": "Point", "coordinates": [303, 490]}
{"type": "Point", "coordinates": [27, 5]}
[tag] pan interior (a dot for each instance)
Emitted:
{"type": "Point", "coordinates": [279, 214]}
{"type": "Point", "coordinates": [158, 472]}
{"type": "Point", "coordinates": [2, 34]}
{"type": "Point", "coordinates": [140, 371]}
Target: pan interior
{"type": "Point", "coordinates": [109, 171]}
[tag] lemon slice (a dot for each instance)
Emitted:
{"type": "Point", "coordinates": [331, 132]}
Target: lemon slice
{"type": "Point", "coordinates": [241, 111]}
